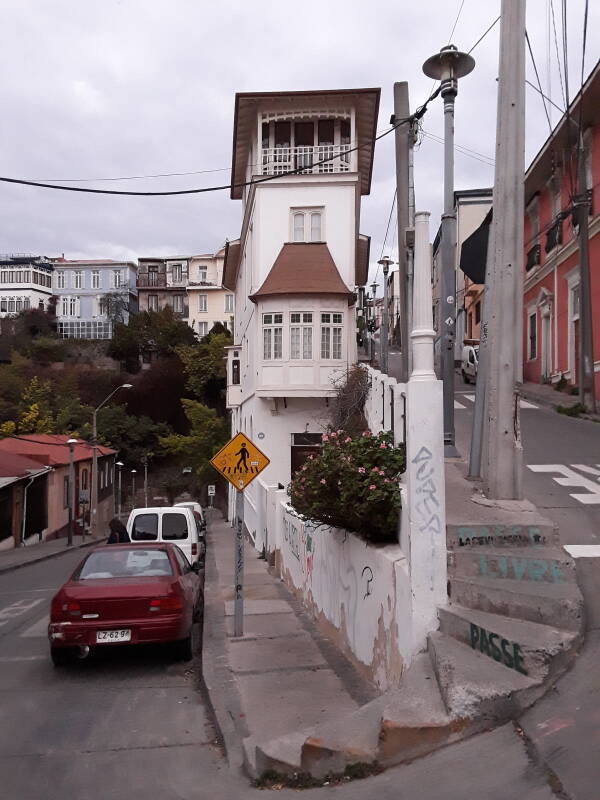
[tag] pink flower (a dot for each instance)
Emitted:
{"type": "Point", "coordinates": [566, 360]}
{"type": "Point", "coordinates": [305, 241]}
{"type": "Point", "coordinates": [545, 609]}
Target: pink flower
{"type": "Point", "coordinates": [325, 438]}
{"type": "Point", "coordinates": [361, 469]}
{"type": "Point", "coordinates": [382, 446]}
{"type": "Point", "coordinates": [323, 480]}
{"type": "Point", "coordinates": [366, 433]}
{"type": "Point", "coordinates": [375, 469]}
{"type": "Point", "coordinates": [333, 435]}
{"type": "Point", "coordinates": [381, 472]}
{"type": "Point", "coordinates": [372, 486]}
{"type": "Point", "coordinates": [387, 480]}
{"type": "Point", "coordinates": [347, 439]}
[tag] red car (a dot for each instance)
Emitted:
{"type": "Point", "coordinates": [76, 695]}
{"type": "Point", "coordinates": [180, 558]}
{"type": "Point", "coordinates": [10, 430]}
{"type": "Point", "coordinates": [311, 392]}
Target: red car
{"type": "Point", "coordinates": [127, 594]}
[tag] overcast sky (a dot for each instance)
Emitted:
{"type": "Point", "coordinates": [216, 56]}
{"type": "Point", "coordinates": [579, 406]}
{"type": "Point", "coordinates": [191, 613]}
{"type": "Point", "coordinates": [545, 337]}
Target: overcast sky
{"type": "Point", "coordinates": [113, 88]}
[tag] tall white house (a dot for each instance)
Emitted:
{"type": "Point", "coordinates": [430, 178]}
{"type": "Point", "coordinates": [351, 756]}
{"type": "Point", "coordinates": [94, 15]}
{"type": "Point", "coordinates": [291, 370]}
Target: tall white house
{"type": "Point", "coordinates": [208, 301]}
{"type": "Point", "coordinates": [296, 266]}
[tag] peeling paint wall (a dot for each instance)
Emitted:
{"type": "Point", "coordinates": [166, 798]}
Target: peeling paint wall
{"type": "Point", "coordinates": [357, 591]}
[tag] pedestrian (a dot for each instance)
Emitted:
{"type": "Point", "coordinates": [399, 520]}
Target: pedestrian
{"type": "Point", "coordinates": [118, 532]}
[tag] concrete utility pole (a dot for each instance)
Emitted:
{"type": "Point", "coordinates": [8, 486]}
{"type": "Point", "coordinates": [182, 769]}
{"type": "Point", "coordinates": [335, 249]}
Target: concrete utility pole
{"type": "Point", "coordinates": [585, 367]}
{"type": "Point", "coordinates": [385, 321]}
{"type": "Point", "coordinates": [372, 333]}
{"type": "Point", "coordinates": [403, 134]}
{"type": "Point", "coordinates": [447, 66]}
{"type": "Point", "coordinates": [133, 474]}
{"type": "Point", "coordinates": [120, 466]}
{"type": "Point", "coordinates": [71, 499]}
{"type": "Point", "coordinates": [503, 349]}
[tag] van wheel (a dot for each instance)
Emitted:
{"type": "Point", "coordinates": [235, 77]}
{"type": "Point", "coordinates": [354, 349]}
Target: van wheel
{"type": "Point", "coordinates": [465, 377]}
{"type": "Point", "coordinates": [183, 649]}
{"type": "Point", "coordinates": [62, 656]}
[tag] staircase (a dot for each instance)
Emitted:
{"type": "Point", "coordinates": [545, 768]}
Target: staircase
{"type": "Point", "coordinates": [512, 625]}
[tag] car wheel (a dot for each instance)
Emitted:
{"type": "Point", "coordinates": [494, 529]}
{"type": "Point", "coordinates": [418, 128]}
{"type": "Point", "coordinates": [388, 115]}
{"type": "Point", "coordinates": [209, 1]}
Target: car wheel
{"type": "Point", "coordinates": [183, 649]}
{"type": "Point", "coordinates": [62, 656]}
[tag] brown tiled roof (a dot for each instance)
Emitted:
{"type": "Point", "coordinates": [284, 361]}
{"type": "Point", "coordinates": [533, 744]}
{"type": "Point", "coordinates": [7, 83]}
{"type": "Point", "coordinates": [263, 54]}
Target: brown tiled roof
{"type": "Point", "coordinates": [303, 268]}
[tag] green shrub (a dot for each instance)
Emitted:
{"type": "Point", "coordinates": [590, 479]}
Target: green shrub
{"type": "Point", "coordinates": [352, 484]}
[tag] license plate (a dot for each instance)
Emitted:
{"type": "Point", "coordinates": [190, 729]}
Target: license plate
{"type": "Point", "coordinates": [107, 637]}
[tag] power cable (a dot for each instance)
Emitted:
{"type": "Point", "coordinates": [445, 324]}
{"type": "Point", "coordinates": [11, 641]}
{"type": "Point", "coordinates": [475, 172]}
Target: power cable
{"type": "Point", "coordinates": [387, 230]}
{"type": "Point", "coordinates": [465, 151]}
{"type": "Point", "coordinates": [456, 21]}
{"type": "Point", "coordinates": [565, 53]}
{"type": "Point", "coordinates": [537, 75]}
{"type": "Point", "coordinates": [482, 37]}
{"type": "Point", "coordinates": [533, 86]}
{"type": "Point", "coordinates": [562, 87]}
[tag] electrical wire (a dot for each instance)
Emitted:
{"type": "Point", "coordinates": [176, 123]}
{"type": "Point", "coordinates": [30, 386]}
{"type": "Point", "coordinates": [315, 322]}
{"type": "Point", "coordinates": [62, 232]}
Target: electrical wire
{"type": "Point", "coordinates": [387, 230]}
{"type": "Point", "coordinates": [537, 75]}
{"type": "Point", "coordinates": [533, 86]}
{"type": "Point", "coordinates": [562, 87]}
{"type": "Point", "coordinates": [456, 21]}
{"type": "Point", "coordinates": [465, 151]}
{"type": "Point", "coordinates": [482, 37]}
{"type": "Point", "coordinates": [565, 46]}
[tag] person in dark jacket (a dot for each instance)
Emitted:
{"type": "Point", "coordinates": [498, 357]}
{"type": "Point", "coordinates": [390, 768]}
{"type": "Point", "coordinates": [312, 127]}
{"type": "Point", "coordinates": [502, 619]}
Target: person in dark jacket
{"type": "Point", "coordinates": [118, 532]}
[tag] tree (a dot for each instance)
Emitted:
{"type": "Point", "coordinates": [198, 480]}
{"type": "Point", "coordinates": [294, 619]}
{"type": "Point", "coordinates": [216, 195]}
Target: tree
{"type": "Point", "coordinates": [208, 433]}
{"type": "Point", "coordinates": [35, 410]}
{"type": "Point", "coordinates": [206, 369]}
{"type": "Point", "coordinates": [160, 332]}
{"type": "Point", "coordinates": [149, 396]}
{"type": "Point", "coordinates": [133, 437]}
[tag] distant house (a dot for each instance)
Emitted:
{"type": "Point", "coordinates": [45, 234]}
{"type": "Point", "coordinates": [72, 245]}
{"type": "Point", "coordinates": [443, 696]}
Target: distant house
{"type": "Point", "coordinates": [162, 282]}
{"type": "Point", "coordinates": [23, 499]}
{"type": "Point", "coordinates": [208, 301]}
{"type": "Point", "coordinates": [51, 453]}
{"type": "Point", "coordinates": [93, 295]}
{"type": "Point", "coordinates": [25, 282]}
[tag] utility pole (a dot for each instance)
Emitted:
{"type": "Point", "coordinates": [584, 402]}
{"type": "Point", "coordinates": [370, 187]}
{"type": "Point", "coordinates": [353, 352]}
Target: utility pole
{"type": "Point", "coordinates": [119, 498]}
{"type": "Point", "coordinates": [372, 336]}
{"type": "Point", "coordinates": [145, 463]}
{"type": "Point", "coordinates": [403, 134]}
{"type": "Point", "coordinates": [385, 323]}
{"type": "Point", "coordinates": [133, 474]}
{"type": "Point", "coordinates": [585, 368]}
{"type": "Point", "coordinates": [502, 448]}
{"type": "Point", "coordinates": [71, 499]}
{"type": "Point", "coordinates": [448, 66]}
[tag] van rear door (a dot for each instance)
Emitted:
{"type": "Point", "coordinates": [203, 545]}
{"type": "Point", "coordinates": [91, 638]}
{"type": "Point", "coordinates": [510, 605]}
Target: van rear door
{"type": "Point", "coordinates": [176, 528]}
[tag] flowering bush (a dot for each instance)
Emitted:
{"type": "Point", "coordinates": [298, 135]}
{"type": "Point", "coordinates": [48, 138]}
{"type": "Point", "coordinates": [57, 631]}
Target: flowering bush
{"type": "Point", "coordinates": [352, 484]}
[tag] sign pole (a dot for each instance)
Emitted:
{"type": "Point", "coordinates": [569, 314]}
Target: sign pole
{"type": "Point", "coordinates": [238, 608]}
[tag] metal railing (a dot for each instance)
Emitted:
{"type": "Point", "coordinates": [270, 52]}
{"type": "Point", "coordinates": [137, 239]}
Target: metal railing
{"type": "Point", "coordinates": [278, 160]}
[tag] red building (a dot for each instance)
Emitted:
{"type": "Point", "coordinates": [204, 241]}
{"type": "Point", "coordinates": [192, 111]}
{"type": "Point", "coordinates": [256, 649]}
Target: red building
{"type": "Point", "coordinates": [551, 282]}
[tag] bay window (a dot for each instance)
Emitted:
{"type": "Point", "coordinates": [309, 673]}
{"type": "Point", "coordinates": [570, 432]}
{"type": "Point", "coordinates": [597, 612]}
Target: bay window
{"type": "Point", "coordinates": [331, 335]}
{"type": "Point", "coordinates": [301, 335]}
{"type": "Point", "coordinates": [272, 336]}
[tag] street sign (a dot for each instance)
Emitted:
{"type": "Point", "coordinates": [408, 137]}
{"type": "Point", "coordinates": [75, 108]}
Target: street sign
{"type": "Point", "coordinates": [211, 490]}
{"type": "Point", "coordinates": [240, 461]}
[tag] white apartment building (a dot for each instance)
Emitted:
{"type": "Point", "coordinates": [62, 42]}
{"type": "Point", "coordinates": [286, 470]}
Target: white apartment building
{"type": "Point", "coordinates": [296, 266]}
{"type": "Point", "coordinates": [25, 282]}
{"type": "Point", "coordinates": [208, 301]}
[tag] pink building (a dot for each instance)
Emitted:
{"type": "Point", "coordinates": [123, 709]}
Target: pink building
{"type": "Point", "coordinates": [551, 289]}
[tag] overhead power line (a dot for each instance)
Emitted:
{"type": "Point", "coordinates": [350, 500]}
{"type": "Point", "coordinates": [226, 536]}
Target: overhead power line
{"type": "Point", "coordinates": [456, 21]}
{"type": "Point", "coordinates": [483, 35]}
{"type": "Point", "coordinates": [537, 75]}
{"type": "Point", "coordinates": [562, 85]}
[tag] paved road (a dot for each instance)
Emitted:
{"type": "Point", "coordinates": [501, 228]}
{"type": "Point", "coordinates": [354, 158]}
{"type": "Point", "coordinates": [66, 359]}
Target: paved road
{"type": "Point", "coordinates": [558, 450]}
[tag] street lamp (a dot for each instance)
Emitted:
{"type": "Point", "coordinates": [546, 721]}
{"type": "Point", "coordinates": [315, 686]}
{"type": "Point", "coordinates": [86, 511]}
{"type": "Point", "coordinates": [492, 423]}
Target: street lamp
{"type": "Point", "coordinates": [94, 492]}
{"type": "Point", "coordinates": [119, 464]}
{"type": "Point", "coordinates": [71, 498]}
{"type": "Point", "coordinates": [385, 264]}
{"type": "Point", "coordinates": [448, 66]}
{"type": "Point", "coordinates": [133, 473]}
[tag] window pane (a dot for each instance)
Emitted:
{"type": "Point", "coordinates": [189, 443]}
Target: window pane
{"type": "Point", "coordinates": [267, 319]}
{"type": "Point", "coordinates": [298, 227]}
{"type": "Point", "coordinates": [282, 134]}
{"type": "Point", "coordinates": [277, 319]}
{"type": "Point", "coordinates": [121, 563]}
{"type": "Point", "coordinates": [267, 335]}
{"type": "Point", "coordinates": [294, 317]}
{"type": "Point", "coordinates": [174, 526]}
{"type": "Point", "coordinates": [326, 128]}
{"type": "Point", "coordinates": [295, 342]}
{"type": "Point", "coordinates": [306, 317]}
{"type": "Point", "coordinates": [315, 227]}
{"type": "Point", "coordinates": [337, 343]}
{"type": "Point", "coordinates": [325, 343]}
{"type": "Point", "coordinates": [307, 343]}
{"type": "Point", "coordinates": [145, 527]}
{"type": "Point", "coordinates": [304, 134]}
{"type": "Point", "coordinates": [325, 317]}
{"type": "Point", "coordinates": [277, 342]}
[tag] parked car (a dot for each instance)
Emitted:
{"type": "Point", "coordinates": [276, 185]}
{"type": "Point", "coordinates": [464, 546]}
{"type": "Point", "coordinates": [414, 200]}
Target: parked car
{"type": "Point", "coordinates": [179, 525]}
{"type": "Point", "coordinates": [126, 594]}
{"type": "Point", "coordinates": [470, 362]}
{"type": "Point", "coordinates": [195, 507]}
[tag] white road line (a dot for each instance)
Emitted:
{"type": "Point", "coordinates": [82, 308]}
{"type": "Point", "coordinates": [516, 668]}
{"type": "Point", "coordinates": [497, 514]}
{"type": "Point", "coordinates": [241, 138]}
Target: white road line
{"type": "Point", "coordinates": [458, 405]}
{"type": "Point", "coordinates": [571, 478]}
{"type": "Point", "coordinates": [470, 397]}
{"type": "Point", "coordinates": [583, 550]}
{"type": "Point", "coordinates": [11, 659]}
{"type": "Point", "coordinates": [585, 468]}
{"type": "Point", "coordinates": [527, 404]}
{"type": "Point", "coordinates": [19, 607]}
{"type": "Point", "coordinates": [38, 629]}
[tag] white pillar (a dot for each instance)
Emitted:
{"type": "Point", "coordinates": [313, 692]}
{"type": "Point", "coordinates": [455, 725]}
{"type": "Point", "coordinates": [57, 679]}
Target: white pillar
{"type": "Point", "coordinates": [425, 454]}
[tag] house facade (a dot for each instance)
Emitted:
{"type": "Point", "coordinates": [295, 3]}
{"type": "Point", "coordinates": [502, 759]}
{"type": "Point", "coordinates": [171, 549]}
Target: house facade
{"type": "Point", "coordinates": [51, 453]}
{"type": "Point", "coordinates": [295, 267]}
{"type": "Point", "coordinates": [208, 301]}
{"type": "Point", "coordinates": [93, 295]}
{"type": "Point", "coordinates": [551, 259]}
{"type": "Point", "coordinates": [25, 282]}
{"type": "Point", "coordinates": [23, 499]}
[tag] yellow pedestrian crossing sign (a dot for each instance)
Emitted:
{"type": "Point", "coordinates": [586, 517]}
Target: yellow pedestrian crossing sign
{"type": "Point", "coordinates": [240, 461]}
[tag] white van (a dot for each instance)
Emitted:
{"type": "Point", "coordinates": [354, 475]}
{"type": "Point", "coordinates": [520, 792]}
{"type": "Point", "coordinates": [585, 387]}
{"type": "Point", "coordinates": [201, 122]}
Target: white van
{"type": "Point", "coordinates": [195, 507]}
{"type": "Point", "coordinates": [177, 525]}
{"type": "Point", "coordinates": [470, 362]}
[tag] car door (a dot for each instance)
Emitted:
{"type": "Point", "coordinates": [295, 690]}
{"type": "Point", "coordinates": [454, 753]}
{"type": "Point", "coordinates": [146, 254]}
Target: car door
{"type": "Point", "coordinates": [190, 580]}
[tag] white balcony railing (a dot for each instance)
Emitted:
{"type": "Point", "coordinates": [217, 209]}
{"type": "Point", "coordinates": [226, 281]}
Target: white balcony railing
{"type": "Point", "coordinates": [278, 160]}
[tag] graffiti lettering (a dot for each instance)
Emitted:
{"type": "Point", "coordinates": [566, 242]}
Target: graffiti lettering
{"type": "Point", "coordinates": [369, 579]}
{"type": "Point", "coordinates": [290, 534]}
{"type": "Point", "coordinates": [536, 569]}
{"type": "Point", "coordinates": [499, 534]}
{"type": "Point", "coordinates": [427, 507]}
{"type": "Point", "coordinates": [507, 652]}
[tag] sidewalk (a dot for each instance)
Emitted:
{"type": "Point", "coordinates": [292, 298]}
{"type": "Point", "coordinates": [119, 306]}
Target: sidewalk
{"type": "Point", "coordinates": [18, 557]}
{"type": "Point", "coordinates": [281, 676]}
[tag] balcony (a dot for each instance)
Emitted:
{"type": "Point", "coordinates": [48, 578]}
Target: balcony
{"type": "Point", "coordinates": [306, 159]}
{"type": "Point", "coordinates": [151, 280]}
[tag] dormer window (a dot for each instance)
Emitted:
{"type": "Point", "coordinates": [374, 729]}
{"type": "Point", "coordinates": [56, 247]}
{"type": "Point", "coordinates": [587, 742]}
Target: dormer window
{"type": "Point", "coordinates": [307, 225]}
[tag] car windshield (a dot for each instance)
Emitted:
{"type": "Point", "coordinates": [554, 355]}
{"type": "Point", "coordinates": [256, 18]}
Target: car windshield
{"type": "Point", "coordinates": [125, 563]}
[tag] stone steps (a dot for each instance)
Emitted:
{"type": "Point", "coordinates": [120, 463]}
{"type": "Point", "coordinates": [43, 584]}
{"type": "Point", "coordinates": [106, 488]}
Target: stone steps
{"type": "Point", "coordinates": [561, 604]}
{"type": "Point", "coordinates": [537, 564]}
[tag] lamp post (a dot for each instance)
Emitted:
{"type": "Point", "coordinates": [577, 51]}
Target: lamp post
{"type": "Point", "coordinates": [120, 465]}
{"type": "Point", "coordinates": [71, 498]}
{"type": "Point", "coordinates": [133, 473]}
{"type": "Point", "coordinates": [385, 264]}
{"type": "Point", "coordinates": [94, 492]}
{"type": "Point", "coordinates": [145, 463]}
{"type": "Point", "coordinates": [372, 336]}
{"type": "Point", "coordinates": [448, 66]}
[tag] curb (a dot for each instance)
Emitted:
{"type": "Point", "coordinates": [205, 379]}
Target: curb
{"type": "Point", "coordinates": [48, 556]}
{"type": "Point", "coordinates": [219, 682]}
{"type": "Point", "coordinates": [555, 403]}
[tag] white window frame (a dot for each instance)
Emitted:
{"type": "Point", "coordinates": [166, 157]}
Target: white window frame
{"type": "Point", "coordinates": [202, 274]}
{"type": "Point", "coordinates": [573, 285]}
{"type": "Point", "coordinates": [154, 305]}
{"type": "Point", "coordinates": [331, 340]}
{"type": "Point", "coordinates": [229, 304]}
{"type": "Point", "coordinates": [60, 279]}
{"type": "Point", "coordinates": [532, 313]}
{"type": "Point", "coordinates": [301, 335]}
{"type": "Point", "coordinates": [77, 279]}
{"type": "Point", "coordinates": [308, 213]}
{"type": "Point", "coordinates": [202, 328]}
{"type": "Point", "coordinates": [202, 303]}
{"type": "Point", "coordinates": [116, 279]}
{"type": "Point", "coordinates": [95, 279]}
{"type": "Point", "coordinates": [179, 299]}
{"type": "Point", "coordinates": [272, 338]}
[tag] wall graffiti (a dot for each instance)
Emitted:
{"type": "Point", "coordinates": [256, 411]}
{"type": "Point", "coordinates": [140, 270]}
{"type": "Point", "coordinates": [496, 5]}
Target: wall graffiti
{"type": "Point", "coordinates": [367, 574]}
{"type": "Point", "coordinates": [493, 645]}
{"type": "Point", "coordinates": [428, 507]}
{"type": "Point", "coordinates": [498, 534]}
{"type": "Point", "coordinates": [536, 569]}
{"type": "Point", "coordinates": [290, 534]}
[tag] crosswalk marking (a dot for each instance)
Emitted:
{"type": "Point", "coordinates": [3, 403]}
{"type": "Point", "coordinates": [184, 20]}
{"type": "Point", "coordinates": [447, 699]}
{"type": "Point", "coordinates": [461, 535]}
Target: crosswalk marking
{"type": "Point", "coordinates": [471, 397]}
{"type": "Point", "coordinates": [458, 405]}
{"type": "Point", "coordinates": [19, 607]}
{"type": "Point", "coordinates": [583, 550]}
{"type": "Point", "coordinates": [572, 478]}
